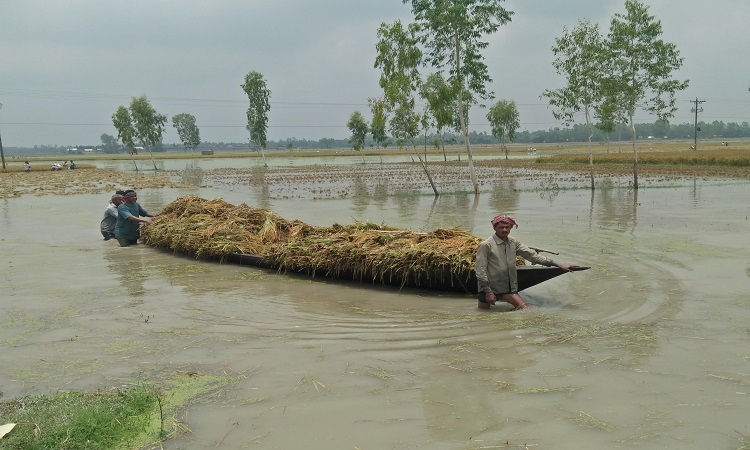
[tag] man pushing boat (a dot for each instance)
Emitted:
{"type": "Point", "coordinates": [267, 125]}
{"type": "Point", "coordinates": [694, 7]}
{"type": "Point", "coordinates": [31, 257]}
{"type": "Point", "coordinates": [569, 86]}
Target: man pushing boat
{"type": "Point", "coordinates": [497, 278]}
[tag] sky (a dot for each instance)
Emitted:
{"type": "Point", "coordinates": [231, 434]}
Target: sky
{"type": "Point", "coordinates": [65, 66]}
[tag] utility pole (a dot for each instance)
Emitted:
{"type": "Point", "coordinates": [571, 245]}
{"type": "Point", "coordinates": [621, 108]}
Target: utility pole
{"type": "Point", "coordinates": [696, 110]}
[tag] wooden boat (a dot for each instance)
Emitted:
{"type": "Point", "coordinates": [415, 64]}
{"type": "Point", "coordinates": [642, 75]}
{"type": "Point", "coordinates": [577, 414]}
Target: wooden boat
{"type": "Point", "coordinates": [447, 281]}
{"type": "Point", "coordinates": [441, 259]}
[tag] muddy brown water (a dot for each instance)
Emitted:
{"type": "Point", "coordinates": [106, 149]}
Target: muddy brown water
{"type": "Point", "coordinates": [648, 349]}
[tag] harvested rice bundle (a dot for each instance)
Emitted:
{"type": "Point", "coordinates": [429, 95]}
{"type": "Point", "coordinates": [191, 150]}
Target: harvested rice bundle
{"type": "Point", "coordinates": [362, 251]}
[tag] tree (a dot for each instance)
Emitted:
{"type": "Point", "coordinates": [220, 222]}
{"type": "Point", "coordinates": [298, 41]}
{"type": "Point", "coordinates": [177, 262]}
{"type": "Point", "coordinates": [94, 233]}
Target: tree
{"type": "Point", "coordinates": [187, 130]}
{"type": "Point", "coordinates": [139, 123]}
{"type": "Point", "coordinates": [258, 96]}
{"type": "Point", "coordinates": [639, 69]}
{"type": "Point", "coordinates": [125, 132]}
{"type": "Point", "coordinates": [452, 33]}
{"type": "Point", "coordinates": [503, 117]}
{"type": "Point", "coordinates": [147, 123]}
{"type": "Point", "coordinates": [398, 60]}
{"type": "Point", "coordinates": [358, 126]}
{"type": "Point", "coordinates": [579, 58]}
{"type": "Point", "coordinates": [327, 142]}
{"type": "Point", "coordinates": [109, 143]}
{"type": "Point", "coordinates": [439, 97]}
{"type": "Point", "coordinates": [378, 122]}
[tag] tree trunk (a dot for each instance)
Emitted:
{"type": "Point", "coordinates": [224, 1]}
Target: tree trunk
{"type": "Point", "coordinates": [635, 154]}
{"type": "Point", "coordinates": [464, 127]}
{"type": "Point", "coordinates": [132, 153]}
{"type": "Point", "coordinates": [442, 145]}
{"type": "Point", "coordinates": [2, 152]}
{"type": "Point", "coordinates": [152, 156]}
{"type": "Point", "coordinates": [426, 171]}
{"type": "Point", "coordinates": [591, 150]}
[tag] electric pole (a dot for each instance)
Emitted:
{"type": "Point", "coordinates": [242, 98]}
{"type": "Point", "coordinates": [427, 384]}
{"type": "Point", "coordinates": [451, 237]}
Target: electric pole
{"type": "Point", "coordinates": [696, 110]}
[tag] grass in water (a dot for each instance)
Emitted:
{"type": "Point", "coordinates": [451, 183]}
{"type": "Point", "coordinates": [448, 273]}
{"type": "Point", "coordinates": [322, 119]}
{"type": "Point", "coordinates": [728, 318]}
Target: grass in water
{"type": "Point", "coordinates": [131, 417]}
{"type": "Point", "coordinates": [78, 419]}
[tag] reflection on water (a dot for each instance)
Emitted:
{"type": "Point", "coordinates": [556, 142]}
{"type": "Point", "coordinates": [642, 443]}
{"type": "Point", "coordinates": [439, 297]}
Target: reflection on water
{"type": "Point", "coordinates": [129, 265]}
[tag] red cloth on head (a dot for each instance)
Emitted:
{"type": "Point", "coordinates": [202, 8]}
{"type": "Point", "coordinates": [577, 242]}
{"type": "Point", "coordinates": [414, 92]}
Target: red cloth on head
{"type": "Point", "coordinates": [502, 218]}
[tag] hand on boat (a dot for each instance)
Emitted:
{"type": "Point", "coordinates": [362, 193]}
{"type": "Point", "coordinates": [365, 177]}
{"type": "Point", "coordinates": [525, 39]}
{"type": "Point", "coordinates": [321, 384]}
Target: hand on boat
{"type": "Point", "coordinates": [566, 267]}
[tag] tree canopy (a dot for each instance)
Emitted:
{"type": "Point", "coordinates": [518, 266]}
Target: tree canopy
{"type": "Point", "coordinates": [358, 127]}
{"type": "Point", "coordinates": [258, 96]}
{"type": "Point", "coordinates": [638, 70]}
{"type": "Point", "coordinates": [187, 131]}
{"type": "Point", "coordinates": [503, 117]}
{"type": "Point", "coordinates": [453, 34]}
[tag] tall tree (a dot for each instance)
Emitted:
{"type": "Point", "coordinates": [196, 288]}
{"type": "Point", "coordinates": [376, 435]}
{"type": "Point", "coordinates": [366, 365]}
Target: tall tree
{"type": "Point", "coordinates": [259, 97]}
{"type": "Point", "coordinates": [125, 132]}
{"type": "Point", "coordinates": [503, 117]}
{"type": "Point", "coordinates": [398, 59]}
{"type": "Point", "coordinates": [187, 130]}
{"type": "Point", "coordinates": [452, 32]}
{"type": "Point", "coordinates": [146, 125]}
{"type": "Point", "coordinates": [358, 127]}
{"type": "Point", "coordinates": [639, 70]}
{"type": "Point", "coordinates": [379, 121]}
{"type": "Point", "coordinates": [578, 57]}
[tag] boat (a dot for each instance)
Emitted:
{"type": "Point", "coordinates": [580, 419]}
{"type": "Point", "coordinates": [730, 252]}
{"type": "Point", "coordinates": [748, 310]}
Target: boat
{"type": "Point", "coordinates": [362, 252]}
{"type": "Point", "coordinates": [445, 280]}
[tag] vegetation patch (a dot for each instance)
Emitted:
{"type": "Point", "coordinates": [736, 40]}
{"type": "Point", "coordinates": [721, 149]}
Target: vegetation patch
{"type": "Point", "coordinates": [135, 416]}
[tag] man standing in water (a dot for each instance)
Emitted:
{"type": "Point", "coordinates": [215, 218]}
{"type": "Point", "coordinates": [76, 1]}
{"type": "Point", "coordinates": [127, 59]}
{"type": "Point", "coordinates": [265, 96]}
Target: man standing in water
{"type": "Point", "coordinates": [497, 277]}
{"type": "Point", "coordinates": [107, 226]}
{"type": "Point", "coordinates": [129, 219]}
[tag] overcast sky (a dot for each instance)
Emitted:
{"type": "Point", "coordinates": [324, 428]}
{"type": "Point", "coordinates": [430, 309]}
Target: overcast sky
{"type": "Point", "coordinates": [66, 66]}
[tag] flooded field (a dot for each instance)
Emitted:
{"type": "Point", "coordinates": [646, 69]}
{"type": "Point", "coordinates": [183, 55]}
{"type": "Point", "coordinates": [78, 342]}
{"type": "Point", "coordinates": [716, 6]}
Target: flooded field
{"type": "Point", "coordinates": [648, 349]}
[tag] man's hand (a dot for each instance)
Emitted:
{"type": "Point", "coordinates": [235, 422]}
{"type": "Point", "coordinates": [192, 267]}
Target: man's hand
{"type": "Point", "coordinates": [566, 267]}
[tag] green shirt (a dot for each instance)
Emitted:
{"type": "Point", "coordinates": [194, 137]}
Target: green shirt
{"type": "Point", "coordinates": [128, 229]}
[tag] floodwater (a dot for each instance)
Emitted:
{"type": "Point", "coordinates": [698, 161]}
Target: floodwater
{"type": "Point", "coordinates": [650, 348]}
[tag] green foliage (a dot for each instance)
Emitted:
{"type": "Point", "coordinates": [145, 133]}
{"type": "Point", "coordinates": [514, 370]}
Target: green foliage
{"type": "Point", "coordinates": [638, 68]}
{"type": "Point", "coordinates": [358, 127]}
{"type": "Point", "coordinates": [109, 143]}
{"type": "Point", "coordinates": [187, 130]}
{"type": "Point", "coordinates": [440, 100]}
{"type": "Point", "coordinates": [378, 122]}
{"type": "Point", "coordinates": [452, 31]}
{"type": "Point", "coordinates": [147, 123]}
{"type": "Point", "coordinates": [124, 126]}
{"type": "Point", "coordinates": [138, 123]}
{"type": "Point", "coordinates": [258, 96]}
{"type": "Point", "coordinates": [503, 117]}
{"type": "Point", "coordinates": [640, 65]}
{"type": "Point", "coordinates": [398, 59]}
{"type": "Point", "coordinates": [579, 56]}
{"type": "Point", "coordinates": [405, 123]}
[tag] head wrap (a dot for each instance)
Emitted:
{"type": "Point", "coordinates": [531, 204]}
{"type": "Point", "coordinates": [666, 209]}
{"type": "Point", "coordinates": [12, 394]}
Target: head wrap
{"type": "Point", "coordinates": [502, 218]}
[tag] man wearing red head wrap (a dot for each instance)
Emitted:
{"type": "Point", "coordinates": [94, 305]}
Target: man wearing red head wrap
{"type": "Point", "coordinates": [496, 265]}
